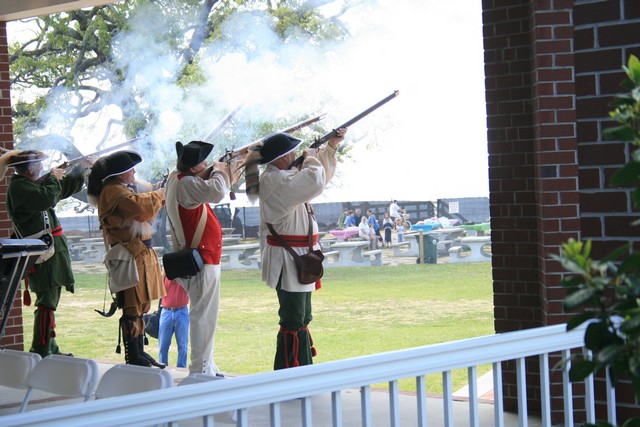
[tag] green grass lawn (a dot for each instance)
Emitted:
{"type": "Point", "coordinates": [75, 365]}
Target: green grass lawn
{"type": "Point", "coordinates": [358, 311]}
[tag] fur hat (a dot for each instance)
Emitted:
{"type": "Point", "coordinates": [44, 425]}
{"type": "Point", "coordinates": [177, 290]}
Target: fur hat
{"type": "Point", "coordinates": [269, 149]}
{"type": "Point", "coordinates": [193, 153]}
{"type": "Point", "coordinates": [17, 157]}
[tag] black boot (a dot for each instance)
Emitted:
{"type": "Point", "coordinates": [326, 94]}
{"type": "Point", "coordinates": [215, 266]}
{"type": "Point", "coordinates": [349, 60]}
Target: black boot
{"type": "Point", "coordinates": [132, 353]}
{"type": "Point", "coordinates": [146, 355]}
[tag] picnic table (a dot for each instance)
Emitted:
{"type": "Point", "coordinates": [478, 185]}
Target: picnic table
{"type": "Point", "coordinates": [471, 249]}
{"type": "Point", "coordinates": [240, 256]}
{"type": "Point", "coordinates": [477, 229]}
{"type": "Point", "coordinates": [230, 240]}
{"type": "Point", "coordinates": [446, 237]}
{"type": "Point", "coordinates": [343, 234]}
{"type": "Point", "coordinates": [93, 249]}
{"type": "Point", "coordinates": [350, 253]}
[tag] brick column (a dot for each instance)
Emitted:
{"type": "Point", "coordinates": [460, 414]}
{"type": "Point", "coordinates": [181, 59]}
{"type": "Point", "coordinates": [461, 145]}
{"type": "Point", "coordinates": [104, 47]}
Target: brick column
{"type": "Point", "coordinates": [533, 173]}
{"type": "Point", "coordinates": [13, 334]}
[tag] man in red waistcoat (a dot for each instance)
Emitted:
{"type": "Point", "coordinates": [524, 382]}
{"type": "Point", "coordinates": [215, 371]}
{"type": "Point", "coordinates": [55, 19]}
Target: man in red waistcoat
{"type": "Point", "coordinates": [190, 188]}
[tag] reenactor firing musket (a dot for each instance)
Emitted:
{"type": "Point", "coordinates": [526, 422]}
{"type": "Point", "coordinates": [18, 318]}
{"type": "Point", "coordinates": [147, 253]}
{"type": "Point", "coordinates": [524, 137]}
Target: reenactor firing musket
{"type": "Point", "coordinates": [324, 138]}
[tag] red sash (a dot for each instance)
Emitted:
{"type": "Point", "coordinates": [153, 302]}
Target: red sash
{"type": "Point", "coordinates": [293, 241]}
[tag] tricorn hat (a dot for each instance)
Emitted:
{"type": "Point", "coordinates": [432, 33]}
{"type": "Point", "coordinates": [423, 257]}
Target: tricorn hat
{"type": "Point", "coordinates": [277, 145]}
{"type": "Point", "coordinates": [120, 162]}
{"type": "Point", "coordinates": [17, 157]}
{"type": "Point", "coordinates": [193, 153]}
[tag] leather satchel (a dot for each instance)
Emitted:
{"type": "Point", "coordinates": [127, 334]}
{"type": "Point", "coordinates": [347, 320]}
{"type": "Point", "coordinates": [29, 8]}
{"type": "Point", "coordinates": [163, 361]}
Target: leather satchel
{"type": "Point", "coordinates": [309, 266]}
{"type": "Point", "coordinates": [152, 321]}
{"type": "Point", "coordinates": [184, 263]}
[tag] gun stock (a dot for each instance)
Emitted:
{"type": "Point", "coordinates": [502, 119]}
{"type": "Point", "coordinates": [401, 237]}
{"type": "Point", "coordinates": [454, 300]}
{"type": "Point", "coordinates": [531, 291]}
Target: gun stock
{"type": "Point", "coordinates": [324, 138]}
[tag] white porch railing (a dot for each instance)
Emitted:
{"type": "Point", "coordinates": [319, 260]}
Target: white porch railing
{"type": "Point", "coordinates": [273, 389]}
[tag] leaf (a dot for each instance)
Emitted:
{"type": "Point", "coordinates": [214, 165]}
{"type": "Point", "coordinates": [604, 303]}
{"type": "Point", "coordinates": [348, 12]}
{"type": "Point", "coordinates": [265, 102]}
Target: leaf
{"type": "Point", "coordinates": [593, 334]}
{"type": "Point", "coordinates": [633, 64]}
{"type": "Point", "coordinates": [581, 370]}
{"type": "Point", "coordinates": [631, 326]}
{"type": "Point", "coordinates": [626, 175]}
{"type": "Point", "coordinates": [608, 354]}
{"type": "Point", "coordinates": [572, 281]}
{"type": "Point", "coordinates": [578, 298]}
{"type": "Point", "coordinates": [619, 133]}
{"type": "Point", "coordinates": [634, 366]}
{"type": "Point", "coordinates": [579, 319]}
{"type": "Point", "coordinates": [617, 253]}
{"type": "Point", "coordinates": [632, 422]}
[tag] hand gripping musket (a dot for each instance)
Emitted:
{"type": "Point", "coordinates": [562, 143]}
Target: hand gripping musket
{"type": "Point", "coordinates": [323, 139]}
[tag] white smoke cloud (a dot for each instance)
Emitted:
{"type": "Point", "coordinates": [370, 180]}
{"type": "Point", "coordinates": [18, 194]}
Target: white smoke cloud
{"type": "Point", "coordinates": [428, 143]}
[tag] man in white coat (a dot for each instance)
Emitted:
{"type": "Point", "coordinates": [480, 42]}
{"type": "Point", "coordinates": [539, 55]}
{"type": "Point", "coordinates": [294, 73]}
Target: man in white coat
{"type": "Point", "coordinates": [190, 188]}
{"type": "Point", "coordinates": [284, 194]}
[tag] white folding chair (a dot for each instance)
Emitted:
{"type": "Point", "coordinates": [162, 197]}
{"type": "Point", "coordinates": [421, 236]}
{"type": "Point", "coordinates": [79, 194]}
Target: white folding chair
{"type": "Point", "coordinates": [63, 375]}
{"type": "Point", "coordinates": [125, 379]}
{"type": "Point", "coordinates": [16, 367]}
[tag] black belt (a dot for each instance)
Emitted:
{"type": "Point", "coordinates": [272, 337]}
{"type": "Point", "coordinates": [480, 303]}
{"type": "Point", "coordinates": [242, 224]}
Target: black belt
{"type": "Point", "coordinates": [173, 308]}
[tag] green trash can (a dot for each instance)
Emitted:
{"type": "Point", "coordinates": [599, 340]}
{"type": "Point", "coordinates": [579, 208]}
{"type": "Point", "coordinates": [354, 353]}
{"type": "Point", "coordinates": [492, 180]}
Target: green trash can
{"type": "Point", "coordinates": [429, 249]}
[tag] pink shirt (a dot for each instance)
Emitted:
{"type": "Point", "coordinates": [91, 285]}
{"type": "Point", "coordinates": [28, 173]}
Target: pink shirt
{"type": "Point", "coordinates": [176, 295]}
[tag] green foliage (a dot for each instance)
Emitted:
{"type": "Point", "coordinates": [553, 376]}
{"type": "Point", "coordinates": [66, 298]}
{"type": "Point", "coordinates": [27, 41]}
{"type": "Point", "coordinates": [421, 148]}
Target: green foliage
{"type": "Point", "coordinates": [607, 291]}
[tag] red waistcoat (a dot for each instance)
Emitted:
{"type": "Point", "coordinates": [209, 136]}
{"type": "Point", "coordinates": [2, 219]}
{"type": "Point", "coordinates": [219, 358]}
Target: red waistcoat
{"type": "Point", "coordinates": [210, 246]}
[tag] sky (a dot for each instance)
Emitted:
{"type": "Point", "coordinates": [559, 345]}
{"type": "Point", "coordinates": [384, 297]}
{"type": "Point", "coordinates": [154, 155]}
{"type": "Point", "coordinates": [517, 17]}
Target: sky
{"type": "Point", "coordinates": [428, 143]}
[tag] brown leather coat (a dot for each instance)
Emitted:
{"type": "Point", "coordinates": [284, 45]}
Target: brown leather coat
{"type": "Point", "coordinates": [126, 217]}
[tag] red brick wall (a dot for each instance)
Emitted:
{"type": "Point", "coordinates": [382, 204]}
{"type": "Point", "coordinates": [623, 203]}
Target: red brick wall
{"type": "Point", "coordinates": [12, 335]}
{"type": "Point", "coordinates": [551, 67]}
{"type": "Point", "coordinates": [605, 37]}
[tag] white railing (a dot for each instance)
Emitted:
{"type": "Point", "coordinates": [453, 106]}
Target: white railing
{"type": "Point", "coordinates": [274, 389]}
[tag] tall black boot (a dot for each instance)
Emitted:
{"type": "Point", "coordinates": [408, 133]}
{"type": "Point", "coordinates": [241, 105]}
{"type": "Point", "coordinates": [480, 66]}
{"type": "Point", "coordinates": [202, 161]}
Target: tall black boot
{"type": "Point", "coordinates": [132, 355]}
{"type": "Point", "coordinates": [146, 355]}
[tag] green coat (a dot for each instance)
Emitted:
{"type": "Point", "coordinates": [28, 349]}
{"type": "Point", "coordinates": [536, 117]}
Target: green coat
{"type": "Point", "coordinates": [26, 200]}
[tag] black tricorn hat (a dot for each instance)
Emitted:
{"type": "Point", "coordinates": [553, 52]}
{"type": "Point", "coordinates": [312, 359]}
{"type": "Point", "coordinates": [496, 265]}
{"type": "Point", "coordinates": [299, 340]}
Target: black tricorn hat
{"type": "Point", "coordinates": [277, 145]}
{"type": "Point", "coordinates": [193, 153]}
{"type": "Point", "coordinates": [120, 162]}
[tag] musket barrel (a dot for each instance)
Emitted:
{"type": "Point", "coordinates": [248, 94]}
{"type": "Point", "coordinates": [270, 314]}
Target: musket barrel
{"type": "Point", "coordinates": [324, 138]}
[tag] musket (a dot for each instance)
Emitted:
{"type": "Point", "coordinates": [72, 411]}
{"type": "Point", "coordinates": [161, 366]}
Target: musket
{"type": "Point", "coordinates": [98, 153]}
{"type": "Point", "coordinates": [324, 138]}
{"type": "Point", "coordinates": [68, 163]}
{"type": "Point", "coordinates": [240, 153]}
